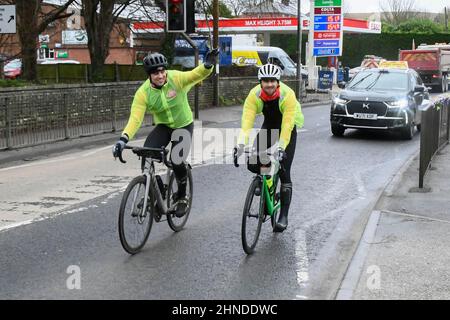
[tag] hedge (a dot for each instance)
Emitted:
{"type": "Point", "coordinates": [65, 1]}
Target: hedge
{"type": "Point", "coordinates": [356, 46]}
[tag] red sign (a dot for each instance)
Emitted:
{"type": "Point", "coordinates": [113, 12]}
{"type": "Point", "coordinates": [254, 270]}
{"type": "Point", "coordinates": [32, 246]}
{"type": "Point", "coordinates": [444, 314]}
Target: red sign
{"type": "Point", "coordinates": [253, 23]}
{"type": "Point", "coordinates": [327, 35]}
{"type": "Point", "coordinates": [327, 10]}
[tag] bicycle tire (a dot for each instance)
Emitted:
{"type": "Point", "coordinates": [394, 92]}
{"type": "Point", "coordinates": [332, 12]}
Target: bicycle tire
{"type": "Point", "coordinates": [177, 224]}
{"type": "Point", "coordinates": [124, 239]}
{"type": "Point", "coordinates": [249, 247]}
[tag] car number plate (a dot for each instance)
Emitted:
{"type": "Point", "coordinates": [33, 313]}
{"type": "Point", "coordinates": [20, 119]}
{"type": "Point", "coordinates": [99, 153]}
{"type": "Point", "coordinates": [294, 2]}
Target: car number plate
{"type": "Point", "coordinates": [368, 116]}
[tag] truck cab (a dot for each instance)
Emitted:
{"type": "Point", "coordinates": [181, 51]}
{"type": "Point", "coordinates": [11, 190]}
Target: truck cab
{"type": "Point", "coordinates": [432, 63]}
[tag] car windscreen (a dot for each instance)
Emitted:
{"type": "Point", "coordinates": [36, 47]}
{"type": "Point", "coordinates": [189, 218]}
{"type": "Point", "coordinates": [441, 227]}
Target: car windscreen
{"type": "Point", "coordinates": [13, 64]}
{"type": "Point", "coordinates": [287, 61]}
{"type": "Point", "coordinates": [379, 81]}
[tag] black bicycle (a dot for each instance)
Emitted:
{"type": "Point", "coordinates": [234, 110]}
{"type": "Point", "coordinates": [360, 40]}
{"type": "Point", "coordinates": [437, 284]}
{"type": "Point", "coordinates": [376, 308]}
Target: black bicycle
{"type": "Point", "coordinates": [148, 198]}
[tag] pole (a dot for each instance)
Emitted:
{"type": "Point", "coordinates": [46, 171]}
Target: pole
{"type": "Point", "coordinates": [299, 50]}
{"type": "Point", "coordinates": [446, 19]}
{"type": "Point", "coordinates": [216, 45]}
{"type": "Point", "coordinates": [312, 80]}
{"type": "Point", "coordinates": [196, 92]}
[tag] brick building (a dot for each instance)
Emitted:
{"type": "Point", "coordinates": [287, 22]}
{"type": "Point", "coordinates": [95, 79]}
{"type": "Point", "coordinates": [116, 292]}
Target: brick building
{"type": "Point", "coordinates": [67, 39]}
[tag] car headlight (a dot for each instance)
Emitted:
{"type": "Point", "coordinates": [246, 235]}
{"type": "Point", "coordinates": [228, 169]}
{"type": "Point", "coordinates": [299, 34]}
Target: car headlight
{"type": "Point", "coordinates": [403, 103]}
{"type": "Point", "coordinates": [340, 101]}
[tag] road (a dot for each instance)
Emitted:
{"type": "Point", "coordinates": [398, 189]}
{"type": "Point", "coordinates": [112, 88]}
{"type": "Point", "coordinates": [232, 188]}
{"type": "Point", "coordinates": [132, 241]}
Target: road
{"type": "Point", "coordinates": [62, 212]}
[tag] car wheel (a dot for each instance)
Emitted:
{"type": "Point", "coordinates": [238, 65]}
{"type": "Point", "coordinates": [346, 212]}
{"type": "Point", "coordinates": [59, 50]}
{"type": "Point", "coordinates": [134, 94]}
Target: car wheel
{"type": "Point", "coordinates": [407, 132]}
{"type": "Point", "coordinates": [443, 85]}
{"type": "Point", "coordinates": [337, 130]}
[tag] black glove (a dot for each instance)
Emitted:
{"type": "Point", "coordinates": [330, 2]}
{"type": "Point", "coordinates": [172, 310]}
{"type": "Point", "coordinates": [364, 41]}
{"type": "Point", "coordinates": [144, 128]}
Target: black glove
{"type": "Point", "coordinates": [280, 155]}
{"type": "Point", "coordinates": [237, 152]}
{"type": "Point", "coordinates": [211, 58]}
{"type": "Point", "coordinates": [119, 146]}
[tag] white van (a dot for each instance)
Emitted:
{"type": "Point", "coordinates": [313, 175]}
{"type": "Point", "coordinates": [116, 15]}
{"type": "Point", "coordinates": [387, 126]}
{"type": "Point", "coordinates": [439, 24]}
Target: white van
{"type": "Point", "coordinates": [255, 55]}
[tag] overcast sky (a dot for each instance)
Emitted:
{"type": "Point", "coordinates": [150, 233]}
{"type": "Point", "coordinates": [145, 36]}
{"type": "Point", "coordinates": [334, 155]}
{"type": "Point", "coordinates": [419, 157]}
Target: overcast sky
{"type": "Point", "coordinates": [373, 5]}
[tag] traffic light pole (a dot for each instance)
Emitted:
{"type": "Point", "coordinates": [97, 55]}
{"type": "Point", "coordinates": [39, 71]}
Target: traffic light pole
{"type": "Point", "coordinates": [216, 45]}
{"type": "Point", "coordinates": [299, 51]}
{"type": "Point", "coordinates": [196, 92]}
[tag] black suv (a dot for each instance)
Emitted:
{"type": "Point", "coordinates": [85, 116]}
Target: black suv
{"type": "Point", "coordinates": [380, 99]}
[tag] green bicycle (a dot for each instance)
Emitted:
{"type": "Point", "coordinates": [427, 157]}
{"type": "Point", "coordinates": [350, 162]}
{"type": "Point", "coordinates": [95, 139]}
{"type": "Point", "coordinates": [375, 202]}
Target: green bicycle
{"type": "Point", "coordinates": [263, 199]}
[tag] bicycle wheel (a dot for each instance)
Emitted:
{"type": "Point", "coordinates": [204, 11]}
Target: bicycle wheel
{"type": "Point", "coordinates": [276, 213]}
{"type": "Point", "coordinates": [135, 222]}
{"type": "Point", "coordinates": [175, 223]}
{"type": "Point", "coordinates": [252, 218]}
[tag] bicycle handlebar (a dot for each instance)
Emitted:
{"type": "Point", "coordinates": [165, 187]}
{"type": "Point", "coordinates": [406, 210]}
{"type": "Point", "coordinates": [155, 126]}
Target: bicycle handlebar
{"type": "Point", "coordinates": [163, 152]}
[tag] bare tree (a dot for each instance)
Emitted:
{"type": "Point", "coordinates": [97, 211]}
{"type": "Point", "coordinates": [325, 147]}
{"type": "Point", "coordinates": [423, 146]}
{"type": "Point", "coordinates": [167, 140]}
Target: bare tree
{"type": "Point", "coordinates": [237, 7]}
{"type": "Point", "coordinates": [397, 11]}
{"type": "Point", "coordinates": [99, 19]}
{"type": "Point", "coordinates": [346, 9]}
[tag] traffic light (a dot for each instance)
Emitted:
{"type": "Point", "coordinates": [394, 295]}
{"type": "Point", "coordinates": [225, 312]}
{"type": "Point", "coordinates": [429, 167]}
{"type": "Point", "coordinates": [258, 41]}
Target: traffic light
{"type": "Point", "coordinates": [176, 15]}
{"type": "Point", "coordinates": [190, 16]}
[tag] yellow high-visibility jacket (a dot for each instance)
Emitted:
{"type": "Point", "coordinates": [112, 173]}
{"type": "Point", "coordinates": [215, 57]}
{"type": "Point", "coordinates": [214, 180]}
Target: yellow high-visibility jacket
{"type": "Point", "coordinates": [289, 107]}
{"type": "Point", "coordinates": [168, 105]}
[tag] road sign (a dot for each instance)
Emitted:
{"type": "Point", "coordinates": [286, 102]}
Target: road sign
{"type": "Point", "coordinates": [325, 80]}
{"type": "Point", "coordinates": [328, 22]}
{"type": "Point", "coordinates": [8, 19]}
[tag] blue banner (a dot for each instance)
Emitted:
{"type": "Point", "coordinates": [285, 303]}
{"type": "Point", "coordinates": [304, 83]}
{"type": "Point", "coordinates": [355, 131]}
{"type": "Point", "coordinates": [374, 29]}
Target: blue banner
{"type": "Point", "coordinates": [326, 52]}
{"type": "Point", "coordinates": [327, 19]}
{"type": "Point", "coordinates": [327, 27]}
{"type": "Point", "coordinates": [326, 43]}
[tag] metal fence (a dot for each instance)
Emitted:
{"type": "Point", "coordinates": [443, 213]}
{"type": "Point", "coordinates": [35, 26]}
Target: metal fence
{"type": "Point", "coordinates": [35, 116]}
{"type": "Point", "coordinates": [435, 133]}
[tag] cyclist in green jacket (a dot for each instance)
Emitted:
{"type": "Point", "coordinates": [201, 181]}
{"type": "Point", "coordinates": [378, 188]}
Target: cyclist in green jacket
{"type": "Point", "coordinates": [164, 95]}
{"type": "Point", "coordinates": [283, 114]}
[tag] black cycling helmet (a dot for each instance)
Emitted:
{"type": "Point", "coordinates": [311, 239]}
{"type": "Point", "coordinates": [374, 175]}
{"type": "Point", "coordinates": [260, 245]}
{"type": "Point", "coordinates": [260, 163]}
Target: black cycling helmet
{"type": "Point", "coordinates": [153, 61]}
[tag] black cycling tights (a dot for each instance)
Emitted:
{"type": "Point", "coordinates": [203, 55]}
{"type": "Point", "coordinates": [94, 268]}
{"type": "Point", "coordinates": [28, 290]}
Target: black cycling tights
{"type": "Point", "coordinates": [271, 138]}
{"type": "Point", "coordinates": [181, 145]}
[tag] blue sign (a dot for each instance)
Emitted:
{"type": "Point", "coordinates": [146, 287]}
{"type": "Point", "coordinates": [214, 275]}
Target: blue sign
{"type": "Point", "coordinates": [225, 55]}
{"type": "Point", "coordinates": [326, 52]}
{"type": "Point", "coordinates": [340, 75]}
{"type": "Point", "coordinates": [327, 27]}
{"type": "Point", "coordinates": [325, 80]}
{"type": "Point", "coordinates": [327, 19]}
{"type": "Point", "coordinates": [326, 43]}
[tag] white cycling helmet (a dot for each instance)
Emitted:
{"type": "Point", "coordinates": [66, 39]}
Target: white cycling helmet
{"type": "Point", "coordinates": [269, 71]}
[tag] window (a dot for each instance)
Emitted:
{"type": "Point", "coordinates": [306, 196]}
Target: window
{"type": "Point", "coordinates": [45, 53]}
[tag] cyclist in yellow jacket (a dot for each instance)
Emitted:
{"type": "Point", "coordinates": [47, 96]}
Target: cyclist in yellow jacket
{"type": "Point", "coordinates": [282, 116]}
{"type": "Point", "coordinates": [164, 95]}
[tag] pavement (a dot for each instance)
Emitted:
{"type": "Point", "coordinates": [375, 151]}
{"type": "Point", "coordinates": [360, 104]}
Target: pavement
{"type": "Point", "coordinates": [403, 253]}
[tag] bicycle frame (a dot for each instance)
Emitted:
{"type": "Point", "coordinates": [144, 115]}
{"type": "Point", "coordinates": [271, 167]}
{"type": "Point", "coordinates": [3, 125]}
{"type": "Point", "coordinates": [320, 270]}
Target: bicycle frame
{"type": "Point", "coordinates": [270, 199]}
{"type": "Point", "coordinates": [148, 170]}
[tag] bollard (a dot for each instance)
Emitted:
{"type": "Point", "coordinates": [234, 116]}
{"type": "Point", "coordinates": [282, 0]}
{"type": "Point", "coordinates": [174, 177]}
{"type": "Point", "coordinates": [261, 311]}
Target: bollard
{"type": "Point", "coordinates": [113, 110]}
{"type": "Point", "coordinates": [66, 117]}
{"type": "Point", "coordinates": [8, 125]}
